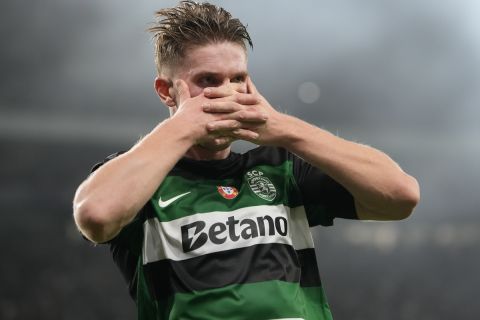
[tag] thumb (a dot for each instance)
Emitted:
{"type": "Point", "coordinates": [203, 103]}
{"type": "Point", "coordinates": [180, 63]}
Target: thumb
{"type": "Point", "coordinates": [182, 91]}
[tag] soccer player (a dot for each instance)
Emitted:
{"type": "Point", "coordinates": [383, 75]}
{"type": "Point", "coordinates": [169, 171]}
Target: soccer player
{"type": "Point", "coordinates": [200, 232]}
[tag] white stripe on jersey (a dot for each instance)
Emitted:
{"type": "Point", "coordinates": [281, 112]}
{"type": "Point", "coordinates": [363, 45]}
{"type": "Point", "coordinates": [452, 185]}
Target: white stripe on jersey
{"type": "Point", "coordinates": [163, 240]}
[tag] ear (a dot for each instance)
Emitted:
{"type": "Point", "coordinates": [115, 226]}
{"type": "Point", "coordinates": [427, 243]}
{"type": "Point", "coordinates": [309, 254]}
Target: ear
{"type": "Point", "coordinates": [162, 87]}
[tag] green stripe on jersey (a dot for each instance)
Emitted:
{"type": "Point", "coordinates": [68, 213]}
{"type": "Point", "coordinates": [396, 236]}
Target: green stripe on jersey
{"type": "Point", "coordinates": [204, 197]}
{"type": "Point", "coordinates": [254, 301]}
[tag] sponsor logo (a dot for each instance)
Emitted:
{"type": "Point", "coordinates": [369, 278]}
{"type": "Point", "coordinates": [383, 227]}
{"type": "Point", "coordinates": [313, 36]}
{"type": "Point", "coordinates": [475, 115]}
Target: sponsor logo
{"type": "Point", "coordinates": [196, 234]}
{"type": "Point", "coordinates": [218, 231]}
{"type": "Point", "coordinates": [227, 192]}
{"type": "Point", "coordinates": [261, 185]}
{"type": "Point", "coordinates": [164, 204]}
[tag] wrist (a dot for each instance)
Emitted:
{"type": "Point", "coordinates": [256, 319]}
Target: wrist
{"type": "Point", "coordinates": [297, 134]}
{"type": "Point", "coordinates": [182, 130]}
{"type": "Point", "coordinates": [167, 135]}
{"type": "Point", "coordinates": [289, 131]}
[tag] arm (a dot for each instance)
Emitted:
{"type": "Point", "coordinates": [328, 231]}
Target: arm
{"type": "Point", "coordinates": [381, 190]}
{"type": "Point", "coordinates": [111, 197]}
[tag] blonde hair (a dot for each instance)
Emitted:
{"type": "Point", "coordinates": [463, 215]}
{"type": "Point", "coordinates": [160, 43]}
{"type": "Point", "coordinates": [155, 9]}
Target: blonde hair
{"type": "Point", "coordinates": [192, 24]}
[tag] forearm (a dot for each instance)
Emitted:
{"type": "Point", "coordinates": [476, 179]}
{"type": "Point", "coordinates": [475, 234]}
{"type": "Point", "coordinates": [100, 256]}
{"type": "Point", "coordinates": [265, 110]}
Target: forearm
{"type": "Point", "coordinates": [111, 196]}
{"type": "Point", "coordinates": [381, 189]}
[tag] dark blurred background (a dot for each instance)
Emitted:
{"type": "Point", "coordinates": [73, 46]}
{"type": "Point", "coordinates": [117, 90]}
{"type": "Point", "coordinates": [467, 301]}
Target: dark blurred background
{"type": "Point", "coordinates": [403, 76]}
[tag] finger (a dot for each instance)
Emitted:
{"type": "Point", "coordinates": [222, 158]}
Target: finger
{"type": "Point", "coordinates": [250, 86]}
{"type": "Point", "coordinates": [241, 98]}
{"type": "Point", "coordinates": [223, 125]}
{"type": "Point", "coordinates": [244, 134]}
{"type": "Point", "coordinates": [218, 92]}
{"type": "Point", "coordinates": [232, 111]}
{"type": "Point", "coordinates": [182, 90]}
{"type": "Point", "coordinates": [223, 140]}
{"type": "Point", "coordinates": [249, 116]}
{"type": "Point", "coordinates": [221, 107]}
{"type": "Point", "coordinates": [246, 99]}
{"type": "Point", "coordinates": [220, 127]}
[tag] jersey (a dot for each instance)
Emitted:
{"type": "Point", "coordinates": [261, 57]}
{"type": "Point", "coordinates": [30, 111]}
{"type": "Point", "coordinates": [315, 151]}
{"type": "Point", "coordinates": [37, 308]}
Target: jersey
{"type": "Point", "coordinates": [230, 239]}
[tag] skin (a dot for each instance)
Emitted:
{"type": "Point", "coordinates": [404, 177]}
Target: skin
{"type": "Point", "coordinates": [222, 65]}
{"type": "Point", "coordinates": [213, 102]}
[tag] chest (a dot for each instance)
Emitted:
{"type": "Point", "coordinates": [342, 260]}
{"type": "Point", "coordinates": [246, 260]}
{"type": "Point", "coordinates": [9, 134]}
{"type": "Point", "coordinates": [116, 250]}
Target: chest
{"type": "Point", "coordinates": [181, 196]}
{"type": "Point", "coordinates": [195, 217]}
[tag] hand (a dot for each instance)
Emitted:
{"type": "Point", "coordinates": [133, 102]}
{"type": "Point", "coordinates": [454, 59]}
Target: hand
{"type": "Point", "coordinates": [190, 110]}
{"type": "Point", "coordinates": [244, 111]}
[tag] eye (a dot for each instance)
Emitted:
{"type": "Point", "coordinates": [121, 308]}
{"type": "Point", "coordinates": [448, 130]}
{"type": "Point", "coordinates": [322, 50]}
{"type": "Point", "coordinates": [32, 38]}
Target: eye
{"type": "Point", "coordinates": [238, 79]}
{"type": "Point", "coordinates": [207, 81]}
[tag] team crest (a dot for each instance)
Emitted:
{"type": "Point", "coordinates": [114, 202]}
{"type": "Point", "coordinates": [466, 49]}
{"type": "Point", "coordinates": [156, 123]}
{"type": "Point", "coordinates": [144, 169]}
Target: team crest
{"type": "Point", "coordinates": [227, 192]}
{"type": "Point", "coordinates": [261, 185]}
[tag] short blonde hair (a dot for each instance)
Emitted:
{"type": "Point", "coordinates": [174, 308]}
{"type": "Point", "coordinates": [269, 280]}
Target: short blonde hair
{"type": "Point", "coordinates": [193, 24]}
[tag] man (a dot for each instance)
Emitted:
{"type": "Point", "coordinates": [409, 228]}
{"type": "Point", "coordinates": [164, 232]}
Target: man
{"type": "Point", "coordinates": [200, 232]}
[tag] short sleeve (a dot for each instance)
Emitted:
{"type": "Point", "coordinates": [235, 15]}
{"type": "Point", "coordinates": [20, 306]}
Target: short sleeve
{"type": "Point", "coordinates": [324, 199]}
{"type": "Point", "coordinates": [110, 157]}
{"type": "Point", "coordinates": [126, 246]}
{"type": "Point", "coordinates": [98, 165]}
{"type": "Point", "coordinates": [132, 226]}
{"type": "Point", "coordinates": [126, 249]}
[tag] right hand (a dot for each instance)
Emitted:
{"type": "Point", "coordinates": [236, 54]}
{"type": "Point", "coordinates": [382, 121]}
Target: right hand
{"type": "Point", "coordinates": [190, 110]}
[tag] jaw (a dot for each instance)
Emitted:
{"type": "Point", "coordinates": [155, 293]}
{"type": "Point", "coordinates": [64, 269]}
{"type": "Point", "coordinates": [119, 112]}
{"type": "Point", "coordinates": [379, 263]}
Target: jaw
{"type": "Point", "coordinates": [206, 151]}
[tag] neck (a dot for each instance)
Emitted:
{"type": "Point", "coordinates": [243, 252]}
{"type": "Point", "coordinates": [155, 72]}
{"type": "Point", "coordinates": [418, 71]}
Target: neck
{"type": "Point", "coordinates": [198, 152]}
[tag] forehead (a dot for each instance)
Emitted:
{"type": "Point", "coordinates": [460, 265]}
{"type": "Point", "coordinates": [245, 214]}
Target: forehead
{"type": "Point", "coordinates": [225, 57]}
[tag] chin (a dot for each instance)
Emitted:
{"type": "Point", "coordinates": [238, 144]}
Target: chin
{"type": "Point", "coordinates": [208, 150]}
{"type": "Point", "coordinates": [210, 146]}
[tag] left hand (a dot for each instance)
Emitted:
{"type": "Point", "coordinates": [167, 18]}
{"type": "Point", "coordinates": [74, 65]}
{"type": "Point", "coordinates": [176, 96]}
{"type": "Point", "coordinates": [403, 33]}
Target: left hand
{"type": "Point", "coordinates": [238, 110]}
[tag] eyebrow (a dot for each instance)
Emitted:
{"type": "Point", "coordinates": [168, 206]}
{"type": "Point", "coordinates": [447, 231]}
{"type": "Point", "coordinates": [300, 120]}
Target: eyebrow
{"type": "Point", "coordinates": [215, 74]}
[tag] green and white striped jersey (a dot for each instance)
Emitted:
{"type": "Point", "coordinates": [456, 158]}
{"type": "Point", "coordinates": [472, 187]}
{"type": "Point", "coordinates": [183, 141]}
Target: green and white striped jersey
{"type": "Point", "coordinates": [230, 239]}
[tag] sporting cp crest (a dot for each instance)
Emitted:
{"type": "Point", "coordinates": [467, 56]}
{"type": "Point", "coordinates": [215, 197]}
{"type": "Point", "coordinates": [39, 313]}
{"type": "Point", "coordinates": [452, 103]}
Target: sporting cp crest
{"type": "Point", "coordinates": [261, 185]}
{"type": "Point", "coordinates": [227, 192]}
